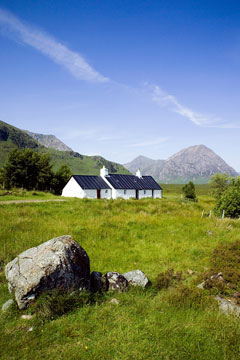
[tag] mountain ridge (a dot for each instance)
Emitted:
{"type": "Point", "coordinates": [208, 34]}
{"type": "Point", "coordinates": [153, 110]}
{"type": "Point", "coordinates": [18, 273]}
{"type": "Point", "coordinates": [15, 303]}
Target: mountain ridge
{"type": "Point", "coordinates": [11, 137]}
{"type": "Point", "coordinates": [197, 163]}
{"type": "Point", "coordinates": [49, 141]}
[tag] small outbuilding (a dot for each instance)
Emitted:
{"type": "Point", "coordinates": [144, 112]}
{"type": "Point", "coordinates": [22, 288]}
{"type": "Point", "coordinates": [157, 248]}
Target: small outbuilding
{"type": "Point", "coordinates": [113, 186]}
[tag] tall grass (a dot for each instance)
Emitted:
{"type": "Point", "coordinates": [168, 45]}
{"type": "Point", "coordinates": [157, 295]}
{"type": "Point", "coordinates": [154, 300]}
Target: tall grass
{"type": "Point", "coordinates": [151, 235]}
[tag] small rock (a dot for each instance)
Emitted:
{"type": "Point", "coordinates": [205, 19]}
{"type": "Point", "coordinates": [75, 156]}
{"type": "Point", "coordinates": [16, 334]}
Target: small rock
{"type": "Point", "coordinates": [27, 317]}
{"type": "Point", "coordinates": [7, 305]}
{"type": "Point", "coordinates": [190, 272]}
{"type": "Point", "coordinates": [98, 282]}
{"type": "Point", "coordinates": [227, 307]}
{"type": "Point", "coordinates": [116, 281]}
{"type": "Point", "coordinates": [209, 232]}
{"type": "Point", "coordinates": [201, 286]}
{"type": "Point", "coordinates": [115, 301]}
{"type": "Point", "coordinates": [137, 278]}
{"type": "Point", "coordinates": [30, 329]}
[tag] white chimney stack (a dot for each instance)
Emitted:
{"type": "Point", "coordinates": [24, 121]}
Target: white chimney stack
{"type": "Point", "coordinates": [138, 174]}
{"type": "Point", "coordinates": [103, 171]}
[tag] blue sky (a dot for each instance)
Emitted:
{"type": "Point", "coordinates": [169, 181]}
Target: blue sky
{"type": "Point", "coordinates": [123, 78]}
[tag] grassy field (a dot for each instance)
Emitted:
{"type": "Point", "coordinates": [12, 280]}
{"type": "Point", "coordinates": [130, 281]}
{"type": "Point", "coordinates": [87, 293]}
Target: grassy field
{"type": "Point", "coordinates": [180, 322]}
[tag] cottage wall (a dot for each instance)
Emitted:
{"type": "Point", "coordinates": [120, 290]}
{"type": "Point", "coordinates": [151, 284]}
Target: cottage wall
{"type": "Point", "coordinates": [148, 194]}
{"type": "Point", "coordinates": [119, 193]}
{"type": "Point", "coordinates": [157, 194]}
{"type": "Point", "coordinates": [106, 194]}
{"type": "Point", "coordinates": [72, 189]}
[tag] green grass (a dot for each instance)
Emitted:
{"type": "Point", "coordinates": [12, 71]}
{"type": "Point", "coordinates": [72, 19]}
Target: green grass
{"type": "Point", "coordinates": [180, 322]}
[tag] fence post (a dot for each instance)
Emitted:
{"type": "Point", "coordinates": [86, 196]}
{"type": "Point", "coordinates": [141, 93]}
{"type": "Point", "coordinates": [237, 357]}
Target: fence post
{"type": "Point", "coordinates": [210, 213]}
{"type": "Point", "coordinates": [223, 214]}
{"type": "Point", "coordinates": [202, 213]}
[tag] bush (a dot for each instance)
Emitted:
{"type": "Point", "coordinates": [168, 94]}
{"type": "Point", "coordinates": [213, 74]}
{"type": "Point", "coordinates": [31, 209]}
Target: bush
{"type": "Point", "coordinates": [189, 191]}
{"type": "Point", "coordinates": [190, 297]}
{"type": "Point", "coordinates": [167, 278]}
{"type": "Point", "coordinates": [226, 260]}
{"type": "Point", "coordinates": [229, 202]}
{"type": "Point", "coordinates": [219, 183]}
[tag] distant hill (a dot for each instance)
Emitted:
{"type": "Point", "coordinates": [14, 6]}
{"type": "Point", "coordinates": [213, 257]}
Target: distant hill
{"type": "Point", "coordinates": [197, 163]}
{"type": "Point", "coordinates": [49, 141]}
{"type": "Point", "coordinates": [145, 164]}
{"type": "Point", "coordinates": [12, 137]}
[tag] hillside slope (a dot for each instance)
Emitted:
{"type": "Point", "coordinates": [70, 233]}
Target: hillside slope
{"type": "Point", "coordinates": [49, 141]}
{"type": "Point", "coordinates": [12, 137]}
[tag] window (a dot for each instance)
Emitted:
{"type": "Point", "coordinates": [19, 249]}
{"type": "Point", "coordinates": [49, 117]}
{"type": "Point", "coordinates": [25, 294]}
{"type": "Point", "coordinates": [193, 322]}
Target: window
{"type": "Point", "coordinates": [125, 191]}
{"type": "Point", "coordinates": [106, 191]}
{"type": "Point", "coordinates": [144, 192]}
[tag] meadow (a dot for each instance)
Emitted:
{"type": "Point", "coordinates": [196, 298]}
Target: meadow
{"type": "Point", "coordinates": [181, 322]}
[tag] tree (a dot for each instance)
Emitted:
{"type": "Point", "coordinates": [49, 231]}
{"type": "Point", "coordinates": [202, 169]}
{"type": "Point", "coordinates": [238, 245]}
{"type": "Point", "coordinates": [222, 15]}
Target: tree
{"type": "Point", "coordinates": [219, 183]}
{"type": "Point", "coordinates": [189, 191]}
{"type": "Point", "coordinates": [61, 178]}
{"type": "Point", "coordinates": [229, 202]}
{"type": "Point", "coordinates": [27, 169]}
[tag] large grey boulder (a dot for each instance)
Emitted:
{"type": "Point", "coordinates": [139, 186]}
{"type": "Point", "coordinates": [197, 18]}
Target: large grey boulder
{"type": "Point", "coordinates": [137, 278]}
{"type": "Point", "coordinates": [60, 263]}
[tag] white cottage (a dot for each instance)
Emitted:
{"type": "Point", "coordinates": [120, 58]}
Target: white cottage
{"type": "Point", "coordinates": [131, 186]}
{"type": "Point", "coordinates": [112, 186]}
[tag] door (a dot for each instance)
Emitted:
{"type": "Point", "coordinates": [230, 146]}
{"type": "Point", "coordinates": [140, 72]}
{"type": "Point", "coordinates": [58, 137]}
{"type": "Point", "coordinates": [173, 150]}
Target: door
{"type": "Point", "coordinates": [98, 193]}
{"type": "Point", "coordinates": [137, 194]}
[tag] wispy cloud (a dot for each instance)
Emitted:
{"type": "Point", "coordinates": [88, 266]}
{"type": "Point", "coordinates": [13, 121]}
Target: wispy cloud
{"type": "Point", "coordinates": [46, 44]}
{"type": "Point", "coordinates": [161, 97]}
{"type": "Point", "coordinates": [151, 142]}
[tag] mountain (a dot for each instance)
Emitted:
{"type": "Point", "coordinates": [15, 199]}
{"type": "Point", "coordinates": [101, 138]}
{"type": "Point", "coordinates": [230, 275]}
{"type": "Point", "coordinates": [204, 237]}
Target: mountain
{"type": "Point", "coordinates": [12, 137]}
{"type": "Point", "coordinates": [197, 163]}
{"type": "Point", "coordinates": [145, 164]}
{"type": "Point", "coordinates": [49, 141]}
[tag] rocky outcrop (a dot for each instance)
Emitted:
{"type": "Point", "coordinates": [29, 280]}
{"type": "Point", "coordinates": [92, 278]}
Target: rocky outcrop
{"type": "Point", "coordinates": [60, 263]}
{"type": "Point", "coordinates": [137, 278]}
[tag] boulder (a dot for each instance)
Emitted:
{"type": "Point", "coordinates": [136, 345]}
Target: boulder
{"type": "Point", "coordinates": [227, 306]}
{"type": "Point", "coordinates": [116, 282]}
{"type": "Point", "coordinates": [60, 263]}
{"type": "Point", "coordinates": [137, 278]}
{"type": "Point", "coordinates": [98, 282]}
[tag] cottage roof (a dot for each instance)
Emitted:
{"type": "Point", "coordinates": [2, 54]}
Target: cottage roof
{"type": "Point", "coordinates": [91, 182]}
{"type": "Point", "coordinates": [119, 181]}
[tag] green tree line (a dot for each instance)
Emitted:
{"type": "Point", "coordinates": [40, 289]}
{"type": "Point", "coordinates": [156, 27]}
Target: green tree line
{"type": "Point", "coordinates": [30, 170]}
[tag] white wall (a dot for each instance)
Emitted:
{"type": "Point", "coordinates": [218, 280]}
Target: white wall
{"type": "Point", "coordinates": [106, 194]}
{"type": "Point", "coordinates": [147, 195]}
{"type": "Point", "coordinates": [157, 194]}
{"type": "Point", "coordinates": [119, 193]}
{"type": "Point", "coordinates": [73, 189]}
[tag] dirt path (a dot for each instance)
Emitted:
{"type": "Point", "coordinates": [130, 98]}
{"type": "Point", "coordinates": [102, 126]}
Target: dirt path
{"type": "Point", "coordinates": [28, 201]}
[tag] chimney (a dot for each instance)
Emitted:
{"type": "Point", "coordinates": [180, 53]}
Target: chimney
{"type": "Point", "coordinates": [138, 174]}
{"type": "Point", "coordinates": [104, 172]}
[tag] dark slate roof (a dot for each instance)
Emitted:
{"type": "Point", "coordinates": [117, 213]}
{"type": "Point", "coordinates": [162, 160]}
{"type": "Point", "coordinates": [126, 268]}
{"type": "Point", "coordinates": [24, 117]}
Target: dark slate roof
{"type": "Point", "coordinates": [132, 182]}
{"type": "Point", "coordinates": [91, 182]}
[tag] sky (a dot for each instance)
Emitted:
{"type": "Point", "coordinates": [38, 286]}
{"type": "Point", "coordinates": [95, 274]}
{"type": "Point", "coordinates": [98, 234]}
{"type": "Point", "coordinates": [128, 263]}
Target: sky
{"type": "Point", "coordinates": [124, 78]}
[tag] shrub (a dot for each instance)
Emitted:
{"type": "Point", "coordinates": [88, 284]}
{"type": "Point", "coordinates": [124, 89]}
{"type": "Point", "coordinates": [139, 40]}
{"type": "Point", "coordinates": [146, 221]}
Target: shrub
{"type": "Point", "coordinates": [189, 191]}
{"type": "Point", "coordinates": [226, 260]}
{"type": "Point", "coordinates": [167, 278]}
{"type": "Point", "coordinates": [229, 202]}
{"type": "Point", "coordinates": [190, 297]}
{"type": "Point", "coordinates": [219, 183]}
